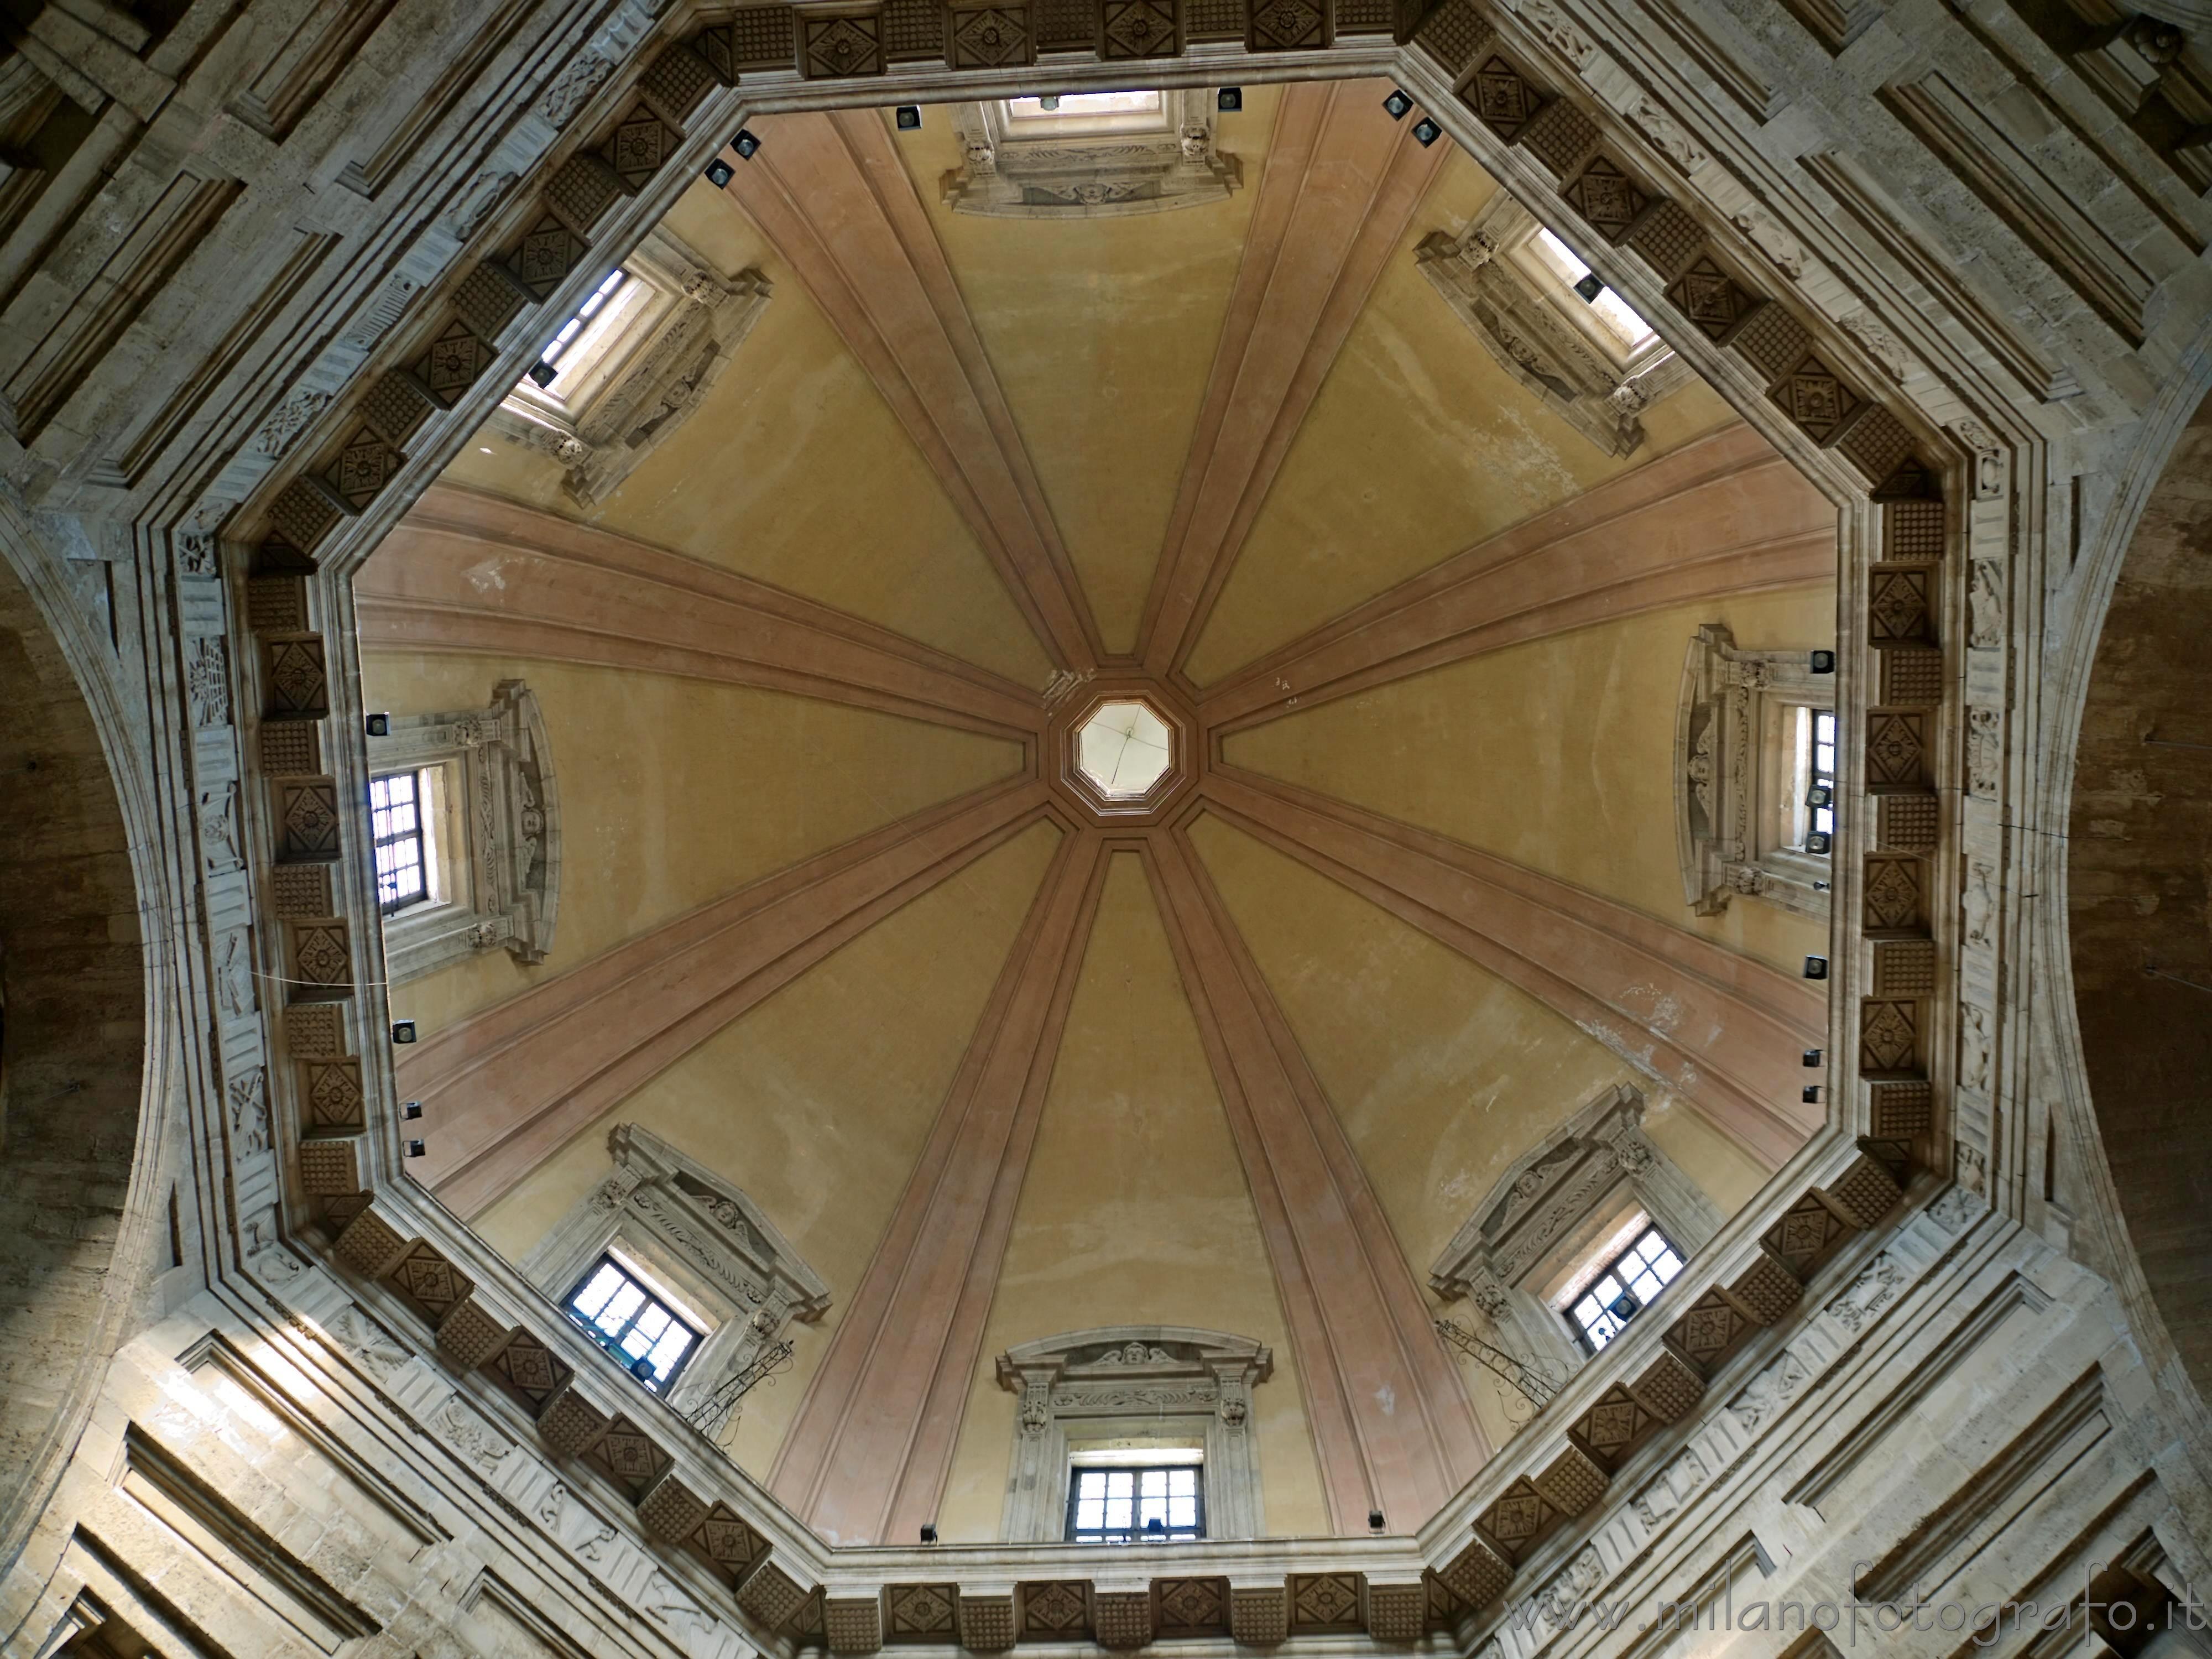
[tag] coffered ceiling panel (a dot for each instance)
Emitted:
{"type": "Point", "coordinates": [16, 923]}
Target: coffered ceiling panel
{"type": "Point", "coordinates": [673, 792]}
{"type": "Point", "coordinates": [816, 1103]}
{"type": "Point", "coordinates": [1555, 754]}
{"type": "Point", "coordinates": [1101, 331]}
{"type": "Point", "coordinates": [793, 470]}
{"type": "Point", "coordinates": [1419, 445]}
{"type": "Point", "coordinates": [1134, 1211]}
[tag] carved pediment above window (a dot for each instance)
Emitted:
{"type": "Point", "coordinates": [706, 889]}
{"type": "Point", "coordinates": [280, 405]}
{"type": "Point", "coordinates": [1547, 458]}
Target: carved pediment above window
{"type": "Point", "coordinates": [1143, 162]}
{"type": "Point", "coordinates": [675, 324]}
{"type": "Point", "coordinates": [1745, 742]}
{"type": "Point", "coordinates": [1591, 361]}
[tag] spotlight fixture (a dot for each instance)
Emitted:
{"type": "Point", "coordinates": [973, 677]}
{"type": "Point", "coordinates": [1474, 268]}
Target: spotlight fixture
{"type": "Point", "coordinates": [1229, 100]}
{"type": "Point", "coordinates": [377, 725]}
{"type": "Point", "coordinates": [1399, 103]}
{"type": "Point", "coordinates": [744, 143]}
{"type": "Point", "coordinates": [1591, 286]}
{"type": "Point", "coordinates": [543, 372]}
{"type": "Point", "coordinates": [1818, 843]}
{"type": "Point", "coordinates": [403, 1031]}
{"type": "Point", "coordinates": [1812, 1056]}
{"type": "Point", "coordinates": [1812, 1094]}
{"type": "Point", "coordinates": [1155, 1525]}
{"type": "Point", "coordinates": [1374, 1516]}
{"type": "Point", "coordinates": [1824, 662]}
{"type": "Point", "coordinates": [929, 1532]}
{"type": "Point", "coordinates": [1819, 795]}
{"type": "Point", "coordinates": [1816, 967]}
{"type": "Point", "coordinates": [908, 117]}
{"type": "Point", "coordinates": [415, 1149]}
{"type": "Point", "coordinates": [1819, 886]}
{"type": "Point", "coordinates": [1427, 132]}
{"type": "Point", "coordinates": [411, 1110]}
{"type": "Point", "coordinates": [720, 173]}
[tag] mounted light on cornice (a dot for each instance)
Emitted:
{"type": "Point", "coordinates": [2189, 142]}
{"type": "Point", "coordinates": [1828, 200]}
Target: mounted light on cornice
{"type": "Point", "coordinates": [403, 1031]}
{"type": "Point", "coordinates": [1229, 100]}
{"type": "Point", "coordinates": [1824, 662]}
{"type": "Point", "coordinates": [1427, 132]}
{"type": "Point", "coordinates": [411, 1111]}
{"type": "Point", "coordinates": [720, 173]}
{"type": "Point", "coordinates": [929, 1532]}
{"type": "Point", "coordinates": [908, 117]}
{"type": "Point", "coordinates": [415, 1149]}
{"type": "Point", "coordinates": [744, 143]}
{"type": "Point", "coordinates": [1399, 103]}
{"type": "Point", "coordinates": [1816, 967]}
{"type": "Point", "coordinates": [377, 725]}
{"type": "Point", "coordinates": [543, 372]}
{"type": "Point", "coordinates": [1812, 1057]}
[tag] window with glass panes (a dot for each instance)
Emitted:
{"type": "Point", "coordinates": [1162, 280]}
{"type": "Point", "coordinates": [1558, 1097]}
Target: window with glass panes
{"type": "Point", "coordinates": [402, 877]}
{"type": "Point", "coordinates": [1120, 1506]}
{"type": "Point", "coordinates": [1820, 781]}
{"type": "Point", "coordinates": [595, 302]}
{"type": "Point", "coordinates": [1624, 1288]}
{"type": "Point", "coordinates": [620, 1312]}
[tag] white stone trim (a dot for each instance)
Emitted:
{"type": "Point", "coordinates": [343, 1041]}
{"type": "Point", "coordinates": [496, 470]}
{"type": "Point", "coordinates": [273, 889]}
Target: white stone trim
{"type": "Point", "coordinates": [646, 374]}
{"type": "Point", "coordinates": [1539, 331]}
{"type": "Point", "coordinates": [1057, 175]}
{"type": "Point", "coordinates": [1163, 1380]}
{"type": "Point", "coordinates": [707, 1243]}
{"type": "Point", "coordinates": [499, 846]}
{"type": "Point", "coordinates": [1543, 1211]}
{"type": "Point", "coordinates": [1730, 754]}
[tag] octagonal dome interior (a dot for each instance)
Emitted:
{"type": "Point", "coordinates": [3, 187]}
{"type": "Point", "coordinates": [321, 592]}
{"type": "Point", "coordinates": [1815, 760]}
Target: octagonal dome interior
{"type": "Point", "coordinates": [1124, 749]}
{"type": "Point", "coordinates": [724, 662]}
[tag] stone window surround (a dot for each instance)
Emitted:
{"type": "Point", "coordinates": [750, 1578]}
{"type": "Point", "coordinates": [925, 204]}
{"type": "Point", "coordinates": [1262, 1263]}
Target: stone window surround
{"type": "Point", "coordinates": [1562, 1199]}
{"type": "Point", "coordinates": [1164, 161]}
{"type": "Point", "coordinates": [666, 337]}
{"type": "Point", "coordinates": [1733, 765]}
{"type": "Point", "coordinates": [1165, 1381]}
{"type": "Point", "coordinates": [496, 829]}
{"type": "Point", "coordinates": [1542, 332]}
{"type": "Point", "coordinates": [702, 1238]}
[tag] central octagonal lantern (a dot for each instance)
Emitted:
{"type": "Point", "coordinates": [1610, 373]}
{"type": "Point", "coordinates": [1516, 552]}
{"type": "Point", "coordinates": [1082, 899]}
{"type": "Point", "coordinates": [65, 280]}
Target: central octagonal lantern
{"type": "Point", "coordinates": [1126, 749]}
{"type": "Point", "coordinates": [1122, 748]}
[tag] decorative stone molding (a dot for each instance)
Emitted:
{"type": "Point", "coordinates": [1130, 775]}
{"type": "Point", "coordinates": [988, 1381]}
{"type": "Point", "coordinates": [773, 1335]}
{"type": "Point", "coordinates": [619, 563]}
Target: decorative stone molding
{"type": "Point", "coordinates": [499, 847]}
{"type": "Point", "coordinates": [1131, 1379]}
{"type": "Point", "coordinates": [708, 1241]}
{"type": "Point", "coordinates": [1734, 774]}
{"type": "Point", "coordinates": [1538, 330]}
{"type": "Point", "coordinates": [669, 345]}
{"type": "Point", "coordinates": [1167, 160]}
{"type": "Point", "coordinates": [1545, 1208]}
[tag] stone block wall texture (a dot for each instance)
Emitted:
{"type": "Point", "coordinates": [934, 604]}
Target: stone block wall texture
{"type": "Point", "coordinates": [74, 995]}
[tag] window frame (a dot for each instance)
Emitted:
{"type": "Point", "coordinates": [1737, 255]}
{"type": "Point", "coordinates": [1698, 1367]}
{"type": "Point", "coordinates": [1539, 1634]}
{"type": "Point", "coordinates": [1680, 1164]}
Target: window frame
{"type": "Point", "coordinates": [1595, 1270]}
{"type": "Point", "coordinates": [1078, 1470]}
{"type": "Point", "coordinates": [421, 835]}
{"type": "Point", "coordinates": [654, 1295]}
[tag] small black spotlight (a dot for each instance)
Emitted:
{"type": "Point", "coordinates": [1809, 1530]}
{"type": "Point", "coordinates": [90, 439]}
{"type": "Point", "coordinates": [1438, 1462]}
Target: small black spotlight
{"type": "Point", "coordinates": [1427, 132]}
{"type": "Point", "coordinates": [1818, 843]}
{"type": "Point", "coordinates": [1824, 662]}
{"type": "Point", "coordinates": [1229, 100]}
{"type": "Point", "coordinates": [908, 117]}
{"type": "Point", "coordinates": [415, 1149]}
{"type": "Point", "coordinates": [1819, 886]}
{"type": "Point", "coordinates": [403, 1031]}
{"type": "Point", "coordinates": [1591, 286]}
{"type": "Point", "coordinates": [410, 1109]}
{"type": "Point", "coordinates": [378, 725]}
{"type": "Point", "coordinates": [1812, 1056]}
{"type": "Point", "coordinates": [543, 372]}
{"type": "Point", "coordinates": [1816, 967]}
{"type": "Point", "coordinates": [1399, 103]}
{"type": "Point", "coordinates": [744, 143]}
{"type": "Point", "coordinates": [720, 173]}
{"type": "Point", "coordinates": [929, 1534]}
{"type": "Point", "coordinates": [1812, 1094]}
{"type": "Point", "coordinates": [1374, 1516]}
{"type": "Point", "coordinates": [1819, 795]}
